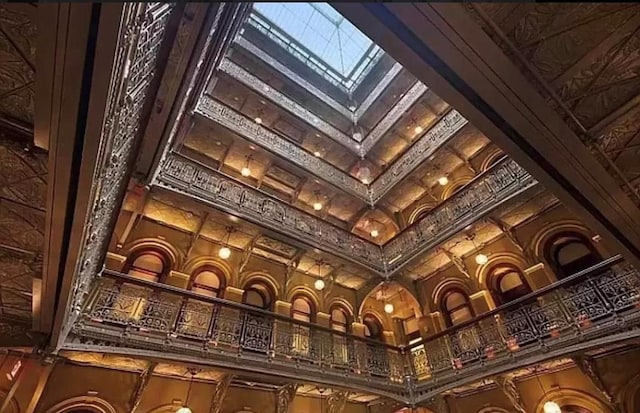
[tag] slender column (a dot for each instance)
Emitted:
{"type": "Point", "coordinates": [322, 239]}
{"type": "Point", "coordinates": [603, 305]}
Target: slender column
{"type": "Point", "coordinates": [136, 397]}
{"type": "Point", "coordinates": [220, 393]}
{"type": "Point", "coordinates": [43, 379]}
{"type": "Point", "coordinates": [510, 390]}
{"type": "Point", "coordinates": [286, 394]}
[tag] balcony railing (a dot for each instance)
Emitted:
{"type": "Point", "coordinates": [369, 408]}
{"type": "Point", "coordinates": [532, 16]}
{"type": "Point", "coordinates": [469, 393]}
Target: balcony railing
{"type": "Point", "coordinates": [592, 308]}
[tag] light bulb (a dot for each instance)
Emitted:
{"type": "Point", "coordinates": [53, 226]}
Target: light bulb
{"type": "Point", "coordinates": [481, 259]}
{"type": "Point", "coordinates": [184, 409]}
{"type": "Point", "coordinates": [443, 180]}
{"type": "Point", "coordinates": [418, 129]}
{"type": "Point", "coordinates": [224, 253]}
{"type": "Point", "coordinates": [551, 407]}
{"type": "Point", "coordinates": [258, 120]}
{"type": "Point", "coordinates": [388, 308]}
{"type": "Point", "coordinates": [374, 233]}
{"type": "Point", "coordinates": [357, 136]}
{"type": "Point", "coordinates": [245, 171]}
{"type": "Point", "coordinates": [318, 285]}
{"type": "Point", "coordinates": [364, 174]}
{"type": "Point", "coordinates": [317, 154]}
{"type": "Point", "coordinates": [317, 206]}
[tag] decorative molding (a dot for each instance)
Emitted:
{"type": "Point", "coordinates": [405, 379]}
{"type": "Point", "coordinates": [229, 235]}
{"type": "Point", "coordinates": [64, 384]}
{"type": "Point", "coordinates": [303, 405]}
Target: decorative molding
{"type": "Point", "coordinates": [502, 182]}
{"type": "Point", "coordinates": [510, 390]}
{"type": "Point", "coordinates": [220, 393]}
{"type": "Point", "coordinates": [258, 134]}
{"type": "Point", "coordinates": [257, 85]}
{"type": "Point", "coordinates": [377, 90]}
{"type": "Point", "coordinates": [295, 78]}
{"type": "Point", "coordinates": [589, 368]}
{"type": "Point", "coordinates": [391, 117]}
{"type": "Point", "coordinates": [226, 193]}
{"type": "Point", "coordinates": [336, 401]}
{"type": "Point", "coordinates": [285, 396]}
{"type": "Point", "coordinates": [142, 31]}
{"type": "Point", "coordinates": [136, 397]}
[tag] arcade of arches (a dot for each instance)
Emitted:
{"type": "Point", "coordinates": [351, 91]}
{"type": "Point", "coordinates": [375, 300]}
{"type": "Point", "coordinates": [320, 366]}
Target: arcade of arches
{"type": "Point", "coordinates": [319, 208]}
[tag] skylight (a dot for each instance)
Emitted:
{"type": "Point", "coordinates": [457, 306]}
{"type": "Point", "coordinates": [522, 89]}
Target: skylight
{"type": "Point", "coordinates": [326, 39]}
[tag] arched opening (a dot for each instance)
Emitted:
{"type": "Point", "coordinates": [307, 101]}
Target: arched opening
{"type": "Point", "coordinates": [259, 295]}
{"type": "Point", "coordinates": [572, 408]}
{"type": "Point", "coordinates": [302, 309]}
{"type": "Point", "coordinates": [507, 283]}
{"type": "Point", "coordinates": [149, 265]}
{"type": "Point", "coordinates": [569, 253]}
{"type": "Point", "coordinates": [340, 321]}
{"type": "Point", "coordinates": [209, 281]}
{"type": "Point", "coordinates": [372, 327]}
{"type": "Point", "coordinates": [455, 307]}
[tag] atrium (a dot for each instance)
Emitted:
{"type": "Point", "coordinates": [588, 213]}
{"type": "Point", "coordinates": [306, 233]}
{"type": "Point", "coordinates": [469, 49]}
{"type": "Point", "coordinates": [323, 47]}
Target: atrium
{"type": "Point", "coordinates": [320, 208]}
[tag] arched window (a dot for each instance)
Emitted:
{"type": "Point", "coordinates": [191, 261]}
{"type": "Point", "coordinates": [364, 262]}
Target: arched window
{"type": "Point", "coordinates": [456, 307]}
{"type": "Point", "coordinates": [302, 309]}
{"type": "Point", "coordinates": [339, 319]}
{"type": "Point", "coordinates": [572, 408]}
{"type": "Point", "coordinates": [258, 295]}
{"type": "Point", "coordinates": [209, 281]}
{"type": "Point", "coordinates": [507, 283]}
{"type": "Point", "coordinates": [569, 253]}
{"type": "Point", "coordinates": [372, 327]}
{"type": "Point", "coordinates": [148, 265]}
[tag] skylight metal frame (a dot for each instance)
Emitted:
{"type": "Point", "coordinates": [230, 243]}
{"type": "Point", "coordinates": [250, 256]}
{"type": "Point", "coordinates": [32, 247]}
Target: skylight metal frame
{"type": "Point", "coordinates": [346, 83]}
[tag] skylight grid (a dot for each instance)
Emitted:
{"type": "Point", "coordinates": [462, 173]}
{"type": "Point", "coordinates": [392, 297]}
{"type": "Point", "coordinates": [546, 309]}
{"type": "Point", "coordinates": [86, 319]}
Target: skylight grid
{"type": "Point", "coordinates": [325, 33]}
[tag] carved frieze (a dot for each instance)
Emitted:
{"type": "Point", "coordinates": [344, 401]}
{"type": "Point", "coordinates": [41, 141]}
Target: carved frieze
{"type": "Point", "coordinates": [228, 194]}
{"type": "Point", "coordinates": [421, 150]}
{"type": "Point", "coordinates": [142, 31]}
{"type": "Point", "coordinates": [229, 118]}
{"type": "Point", "coordinates": [503, 181]}
{"type": "Point", "coordinates": [382, 127]}
{"type": "Point", "coordinates": [289, 105]}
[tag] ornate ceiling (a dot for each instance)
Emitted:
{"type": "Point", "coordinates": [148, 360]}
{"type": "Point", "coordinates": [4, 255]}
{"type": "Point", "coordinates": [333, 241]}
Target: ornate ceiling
{"type": "Point", "coordinates": [585, 59]}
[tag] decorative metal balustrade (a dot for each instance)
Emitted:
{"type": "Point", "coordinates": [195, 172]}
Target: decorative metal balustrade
{"type": "Point", "coordinates": [596, 307]}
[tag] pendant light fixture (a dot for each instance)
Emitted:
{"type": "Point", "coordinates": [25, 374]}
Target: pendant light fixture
{"type": "Point", "coordinates": [319, 284]}
{"type": "Point", "coordinates": [246, 170]}
{"type": "Point", "coordinates": [481, 259]}
{"type": "Point", "coordinates": [225, 251]}
{"type": "Point", "coordinates": [388, 307]}
{"type": "Point", "coordinates": [185, 406]}
{"type": "Point", "coordinates": [549, 406]}
{"type": "Point", "coordinates": [317, 204]}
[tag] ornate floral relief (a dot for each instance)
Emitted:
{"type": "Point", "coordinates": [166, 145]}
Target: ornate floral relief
{"type": "Point", "coordinates": [226, 193]}
{"type": "Point", "coordinates": [143, 27]}
{"type": "Point", "coordinates": [229, 118]}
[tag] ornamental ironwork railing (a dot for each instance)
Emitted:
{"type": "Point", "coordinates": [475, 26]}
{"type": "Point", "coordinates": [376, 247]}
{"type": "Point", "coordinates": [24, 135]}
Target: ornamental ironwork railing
{"type": "Point", "coordinates": [592, 308]}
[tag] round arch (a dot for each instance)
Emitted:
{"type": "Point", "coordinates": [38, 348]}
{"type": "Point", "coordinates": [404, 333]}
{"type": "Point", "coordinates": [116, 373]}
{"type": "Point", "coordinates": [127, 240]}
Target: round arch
{"type": "Point", "coordinates": [91, 403]}
{"type": "Point", "coordinates": [540, 238]}
{"type": "Point", "coordinates": [306, 292]}
{"type": "Point", "coordinates": [13, 404]}
{"type": "Point", "coordinates": [492, 409]}
{"type": "Point", "coordinates": [139, 245]}
{"type": "Point", "coordinates": [630, 395]}
{"type": "Point", "coordinates": [341, 302]}
{"type": "Point", "coordinates": [455, 185]}
{"type": "Point", "coordinates": [482, 271]}
{"type": "Point", "coordinates": [192, 267]}
{"type": "Point", "coordinates": [447, 284]}
{"type": "Point", "coordinates": [573, 397]}
{"type": "Point", "coordinates": [262, 277]}
{"type": "Point", "coordinates": [370, 296]}
{"type": "Point", "coordinates": [419, 210]}
{"type": "Point", "coordinates": [491, 159]}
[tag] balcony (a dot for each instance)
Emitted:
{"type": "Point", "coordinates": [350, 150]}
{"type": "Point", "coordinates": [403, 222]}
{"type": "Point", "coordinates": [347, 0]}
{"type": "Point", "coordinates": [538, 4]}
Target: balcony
{"type": "Point", "coordinates": [595, 307]}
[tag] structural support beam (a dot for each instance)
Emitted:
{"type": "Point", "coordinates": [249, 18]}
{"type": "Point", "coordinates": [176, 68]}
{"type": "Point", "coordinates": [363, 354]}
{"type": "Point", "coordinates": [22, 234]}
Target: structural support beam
{"type": "Point", "coordinates": [220, 393]}
{"type": "Point", "coordinates": [136, 397]}
{"type": "Point", "coordinates": [450, 53]}
{"type": "Point", "coordinates": [508, 387]}
{"type": "Point", "coordinates": [285, 396]}
{"type": "Point", "coordinates": [43, 378]}
{"type": "Point", "coordinates": [588, 367]}
{"type": "Point", "coordinates": [336, 401]}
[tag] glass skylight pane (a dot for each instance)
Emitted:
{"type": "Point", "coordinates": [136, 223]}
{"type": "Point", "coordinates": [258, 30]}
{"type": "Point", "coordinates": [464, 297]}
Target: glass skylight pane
{"type": "Point", "coordinates": [319, 28]}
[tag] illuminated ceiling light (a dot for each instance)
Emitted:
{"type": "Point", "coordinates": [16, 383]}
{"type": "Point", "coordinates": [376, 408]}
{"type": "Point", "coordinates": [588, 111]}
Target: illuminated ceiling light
{"type": "Point", "coordinates": [246, 171]}
{"type": "Point", "coordinates": [388, 308]}
{"type": "Point", "coordinates": [224, 253]}
{"type": "Point", "coordinates": [551, 407]}
{"type": "Point", "coordinates": [317, 154]}
{"type": "Point", "coordinates": [317, 206]}
{"type": "Point", "coordinates": [363, 173]}
{"type": "Point", "coordinates": [184, 409]}
{"type": "Point", "coordinates": [374, 233]}
{"type": "Point", "coordinates": [482, 259]}
{"type": "Point", "coordinates": [319, 284]}
{"type": "Point", "coordinates": [443, 180]}
{"type": "Point", "coordinates": [357, 136]}
{"type": "Point", "coordinates": [418, 129]}
{"type": "Point", "coordinates": [258, 120]}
